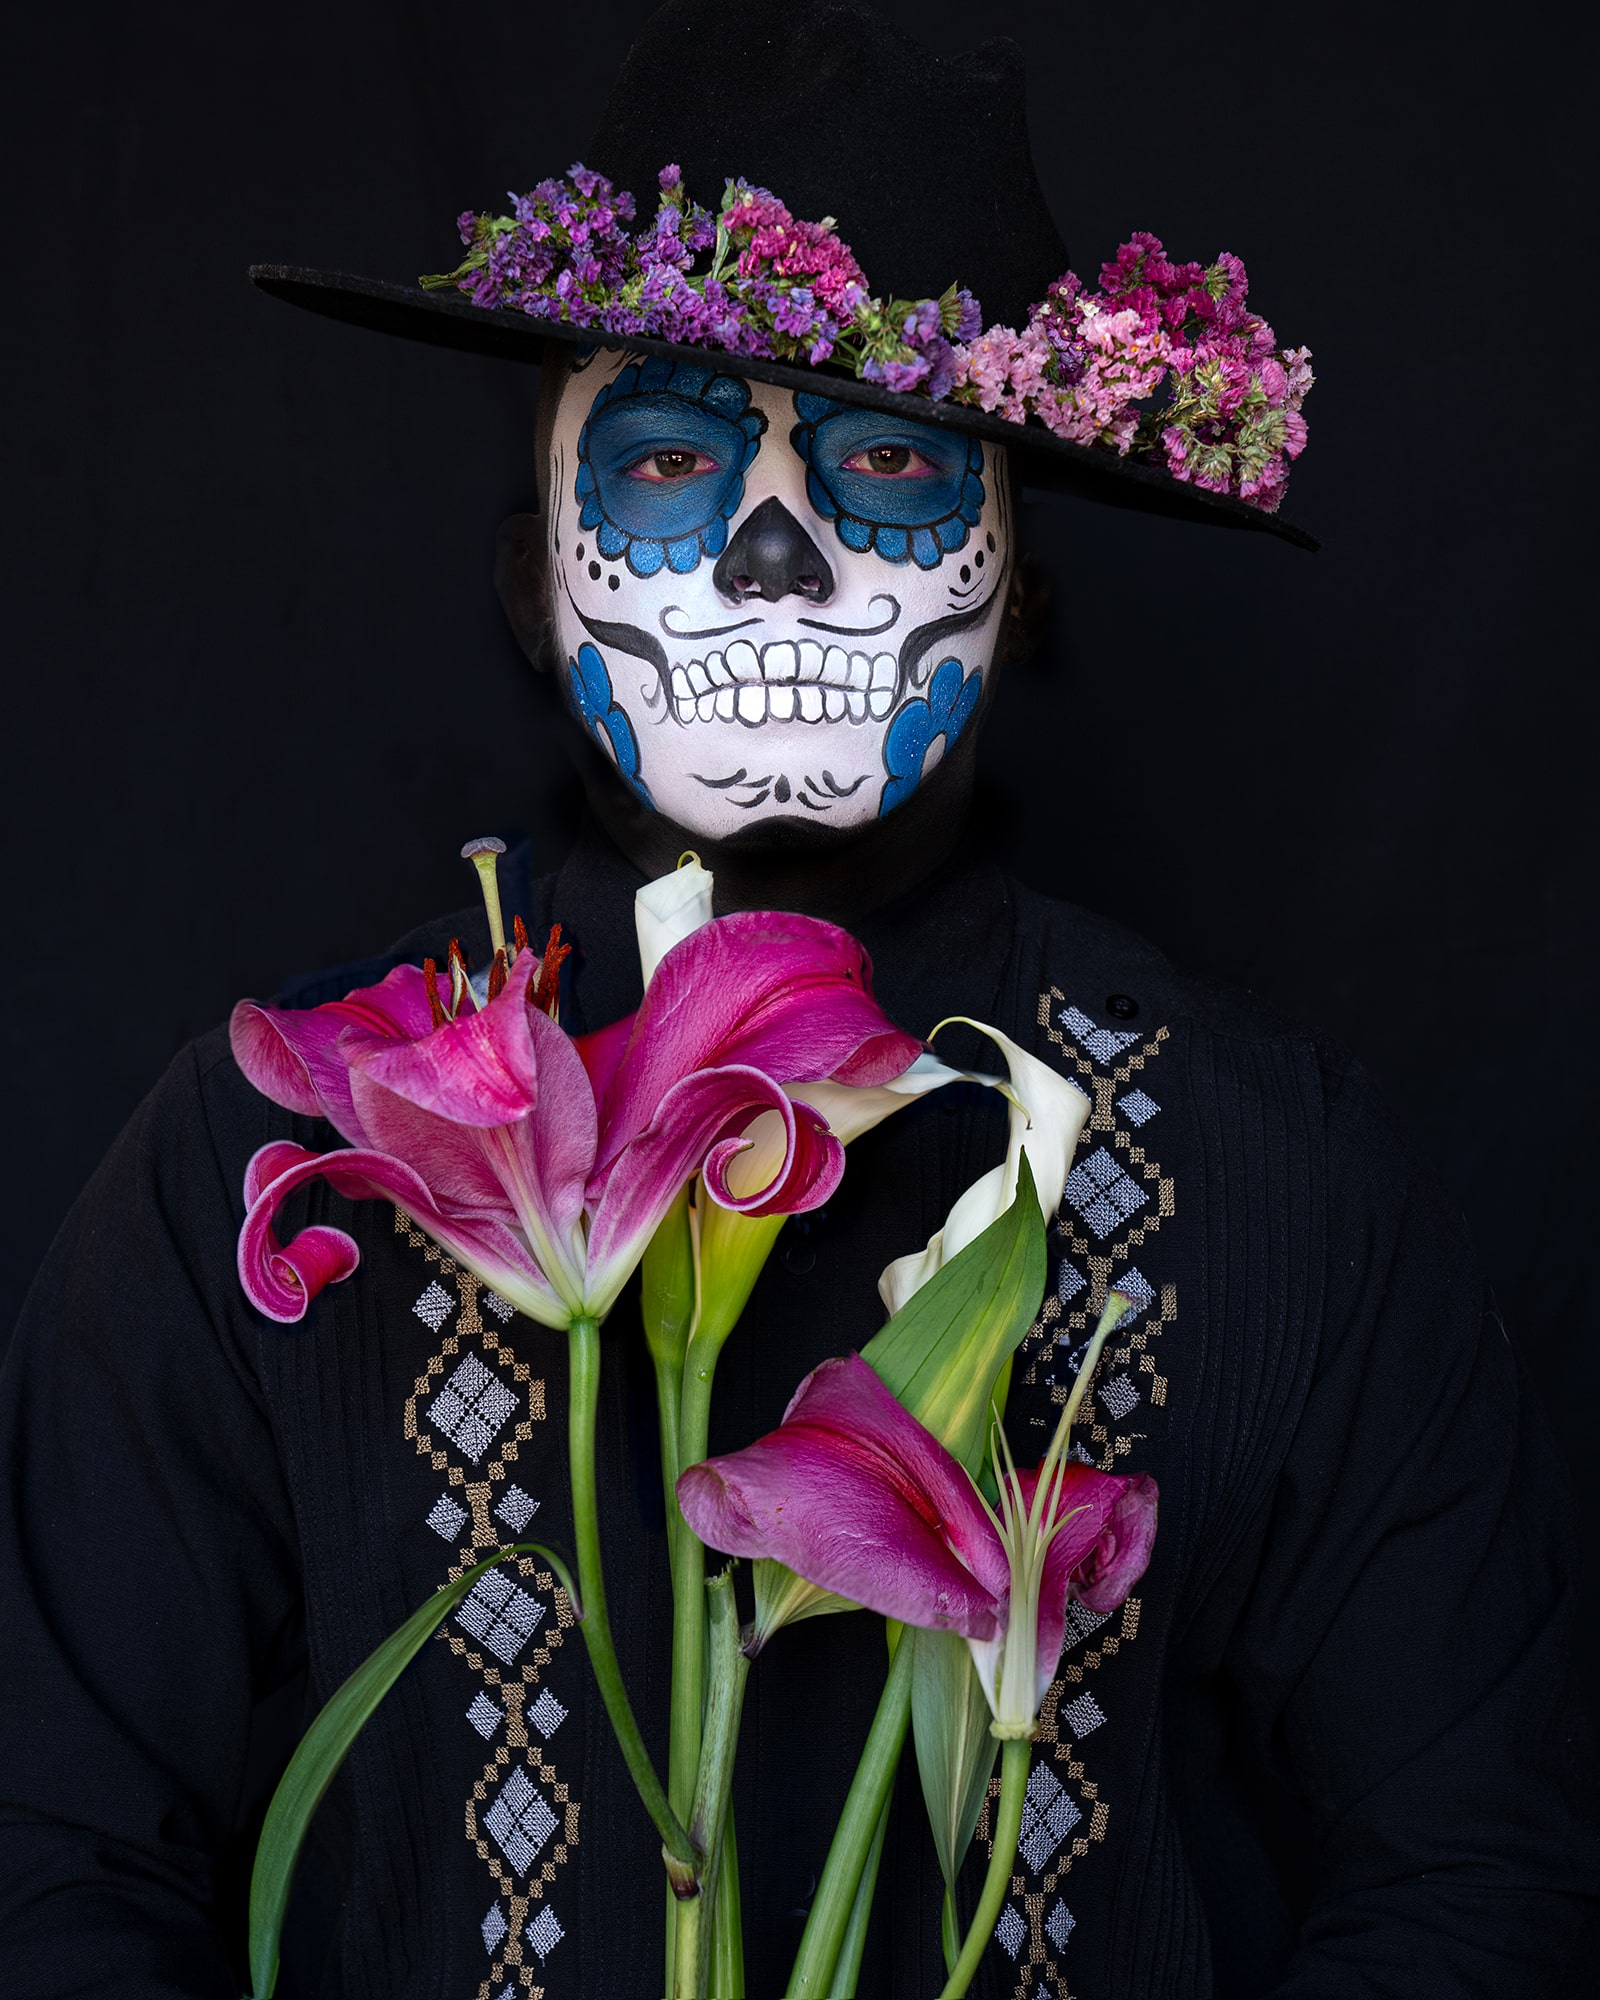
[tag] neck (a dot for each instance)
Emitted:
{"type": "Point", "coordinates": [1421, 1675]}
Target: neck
{"type": "Point", "coordinates": [789, 864]}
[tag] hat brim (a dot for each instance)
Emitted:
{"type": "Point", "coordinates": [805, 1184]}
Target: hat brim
{"type": "Point", "coordinates": [446, 319]}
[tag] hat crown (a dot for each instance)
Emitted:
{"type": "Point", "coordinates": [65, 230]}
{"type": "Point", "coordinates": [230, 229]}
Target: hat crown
{"type": "Point", "coordinates": [922, 159]}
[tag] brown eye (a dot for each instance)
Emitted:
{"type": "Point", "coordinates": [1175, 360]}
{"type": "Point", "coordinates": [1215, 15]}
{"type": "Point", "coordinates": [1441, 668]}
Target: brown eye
{"type": "Point", "coordinates": [889, 461]}
{"type": "Point", "coordinates": [674, 464]}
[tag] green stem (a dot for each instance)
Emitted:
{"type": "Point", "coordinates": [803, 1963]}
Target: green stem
{"type": "Point", "coordinates": [834, 1903]}
{"type": "Point", "coordinates": [724, 1704]}
{"type": "Point", "coordinates": [583, 1347]}
{"type": "Point", "coordinates": [1014, 1758]}
{"type": "Point", "coordinates": [949, 1931]}
{"type": "Point", "coordinates": [847, 1973]}
{"type": "Point", "coordinates": [689, 1585]}
{"type": "Point", "coordinates": [727, 1944]}
{"type": "Point", "coordinates": [668, 1378]}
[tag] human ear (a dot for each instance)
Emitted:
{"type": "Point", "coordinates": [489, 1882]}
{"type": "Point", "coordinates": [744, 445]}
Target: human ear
{"type": "Point", "coordinates": [522, 583]}
{"type": "Point", "coordinates": [1028, 601]}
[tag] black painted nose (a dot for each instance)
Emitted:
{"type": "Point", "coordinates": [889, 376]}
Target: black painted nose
{"type": "Point", "coordinates": [772, 556]}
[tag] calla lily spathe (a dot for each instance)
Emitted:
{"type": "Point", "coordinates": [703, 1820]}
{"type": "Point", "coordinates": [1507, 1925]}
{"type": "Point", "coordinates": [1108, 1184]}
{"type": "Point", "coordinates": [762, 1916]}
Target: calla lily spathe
{"type": "Point", "coordinates": [852, 1494]}
{"type": "Point", "coordinates": [543, 1162]}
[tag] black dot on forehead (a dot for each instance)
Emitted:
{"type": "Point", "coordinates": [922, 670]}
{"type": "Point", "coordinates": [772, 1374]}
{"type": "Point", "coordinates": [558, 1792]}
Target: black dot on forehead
{"type": "Point", "coordinates": [580, 552]}
{"type": "Point", "coordinates": [614, 581]}
{"type": "Point", "coordinates": [966, 573]}
{"type": "Point", "coordinates": [991, 544]}
{"type": "Point", "coordinates": [594, 569]}
{"type": "Point", "coordinates": [978, 558]}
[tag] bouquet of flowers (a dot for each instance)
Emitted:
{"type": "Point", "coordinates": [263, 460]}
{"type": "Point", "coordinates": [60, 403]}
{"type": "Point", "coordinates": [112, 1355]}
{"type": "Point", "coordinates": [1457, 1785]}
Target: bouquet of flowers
{"type": "Point", "coordinates": [677, 1140]}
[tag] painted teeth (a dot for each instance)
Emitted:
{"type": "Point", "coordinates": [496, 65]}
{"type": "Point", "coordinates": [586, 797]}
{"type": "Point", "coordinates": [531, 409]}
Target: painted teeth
{"type": "Point", "coordinates": [788, 680]}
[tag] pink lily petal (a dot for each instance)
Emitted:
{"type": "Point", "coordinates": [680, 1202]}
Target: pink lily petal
{"type": "Point", "coordinates": [700, 1123]}
{"type": "Point", "coordinates": [812, 1167]}
{"type": "Point", "coordinates": [785, 994]}
{"type": "Point", "coordinates": [1106, 1541]}
{"type": "Point", "coordinates": [855, 1496]}
{"type": "Point", "coordinates": [462, 1164]}
{"type": "Point", "coordinates": [1122, 1554]}
{"type": "Point", "coordinates": [499, 1107]}
{"type": "Point", "coordinates": [282, 1280]}
{"type": "Point", "coordinates": [267, 1162]}
{"type": "Point", "coordinates": [480, 1069]}
{"type": "Point", "coordinates": [602, 1051]}
{"type": "Point", "coordinates": [291, 1054]}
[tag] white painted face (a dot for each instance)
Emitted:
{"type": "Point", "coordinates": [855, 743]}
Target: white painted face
{"type": "Point", "coordinates": [768, 604]}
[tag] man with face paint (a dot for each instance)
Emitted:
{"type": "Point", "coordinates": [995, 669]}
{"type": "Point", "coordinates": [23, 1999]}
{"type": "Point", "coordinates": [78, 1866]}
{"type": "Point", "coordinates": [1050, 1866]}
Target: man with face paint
{"type": "Point", "coordinates": [1325, 1751]}
{"type": "Point", "coordinates": [774, 613]}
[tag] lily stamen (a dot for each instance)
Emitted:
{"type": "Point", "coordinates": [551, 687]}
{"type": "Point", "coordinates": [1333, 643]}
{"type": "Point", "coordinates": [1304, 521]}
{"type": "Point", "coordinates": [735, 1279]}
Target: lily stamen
{"type": "Point", "coordinates": [430, 979]}
{"type": "Point", "coordinates": [497, 974]}
{"type": "Point", "coordinates": [544, 988]}
{"type": "Point", "coordinates": [460, 984]}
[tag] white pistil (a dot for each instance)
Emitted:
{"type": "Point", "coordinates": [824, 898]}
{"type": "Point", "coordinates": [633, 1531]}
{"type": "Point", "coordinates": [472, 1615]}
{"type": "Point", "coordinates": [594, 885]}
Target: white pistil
{"type": "Point", "coordinates": [1026, 1534]}
{"type": "Point", "coordinates": [484, 854]}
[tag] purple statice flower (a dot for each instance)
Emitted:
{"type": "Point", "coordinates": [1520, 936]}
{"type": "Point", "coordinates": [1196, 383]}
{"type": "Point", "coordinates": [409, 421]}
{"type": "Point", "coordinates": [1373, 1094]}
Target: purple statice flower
{"type": "Point", "coordinates": [662, 242]}
{"type": "Point", "coordinates": [940, 356]}
{"type": "Point", "coordinates": [902, 376]}
{"type": "Point", "coordinates": [969, 316]}
{"type": "Point", "coordinates": [467, 227]}
{"type": "Point", "coordinates": [619, 318]}
{"type": "Point", "coordinates": [670, 179]}
{"type": "Point", "coordinates": [922, 325]}
{"type": "Point", "coordinates": [585, 180]}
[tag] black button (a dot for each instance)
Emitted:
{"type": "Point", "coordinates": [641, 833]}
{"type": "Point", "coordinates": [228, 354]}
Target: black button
{"type": "Point", "coordinates": [799, 1258]}
{"type": "Point", "coordinates": [1122, 1006]}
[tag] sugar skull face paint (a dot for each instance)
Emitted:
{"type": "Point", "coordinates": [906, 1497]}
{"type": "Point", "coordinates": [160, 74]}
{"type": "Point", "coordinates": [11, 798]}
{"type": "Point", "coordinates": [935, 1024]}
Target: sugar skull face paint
{"type": "Point", "coordinates": [661, 464]}
{"type": "Point", "coordinates": [909, 491]}
{"type": "Point", "coordinates": [769, 605]}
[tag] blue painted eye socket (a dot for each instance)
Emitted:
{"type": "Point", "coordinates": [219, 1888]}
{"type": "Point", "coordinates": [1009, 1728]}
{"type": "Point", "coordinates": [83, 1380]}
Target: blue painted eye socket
{"type": "Point", "coordinates": [911, 491]}
{"type": "Point", "coordinates": [661, 462]}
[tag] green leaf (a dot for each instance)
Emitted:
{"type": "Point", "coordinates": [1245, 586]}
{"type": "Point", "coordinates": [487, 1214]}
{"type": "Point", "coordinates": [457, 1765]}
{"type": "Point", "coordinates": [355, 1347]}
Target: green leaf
{"type": "Point", "coordinates": [943, 1351]}
{"type": "Point", "coordinates": [323, 1749]}
{"type": "Point", "coordinates": [955, 1751]}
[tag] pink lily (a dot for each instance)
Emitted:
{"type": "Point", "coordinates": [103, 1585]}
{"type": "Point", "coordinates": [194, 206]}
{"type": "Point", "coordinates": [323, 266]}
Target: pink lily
{"type": "Point", "coordinates": [852, 1494]}
{"type": "Point", "coordinates": [543, 1162]}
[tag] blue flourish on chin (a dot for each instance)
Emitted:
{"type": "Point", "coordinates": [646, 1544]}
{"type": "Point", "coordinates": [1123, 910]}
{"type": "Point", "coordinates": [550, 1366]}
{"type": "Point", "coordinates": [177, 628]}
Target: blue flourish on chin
{"type": "Point", "coordinates": [589, 691]}
{"type": "Point", "coordinates": [945, 711]}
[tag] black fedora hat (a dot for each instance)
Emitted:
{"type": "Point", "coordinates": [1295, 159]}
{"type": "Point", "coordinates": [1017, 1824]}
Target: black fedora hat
{"type": "Point", "coordinates": [922, 159]}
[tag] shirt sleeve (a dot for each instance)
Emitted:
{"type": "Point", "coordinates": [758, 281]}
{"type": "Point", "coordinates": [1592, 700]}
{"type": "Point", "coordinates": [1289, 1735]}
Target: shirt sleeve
{"type": "Point", "coordinates": [151, 1637]}
{"type": "Point", "coordinates": [1403, 1659]}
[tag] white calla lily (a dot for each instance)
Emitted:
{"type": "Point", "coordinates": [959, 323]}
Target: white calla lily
{"type": "Point", "coordinates": [669, 909]}
{"type": "Point", "coordinates": [1047, 1115]}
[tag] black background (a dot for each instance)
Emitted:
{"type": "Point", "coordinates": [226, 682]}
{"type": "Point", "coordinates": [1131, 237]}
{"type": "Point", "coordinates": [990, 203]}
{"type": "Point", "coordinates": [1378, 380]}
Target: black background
{"type": "Point", "coordinates": [258, 688]}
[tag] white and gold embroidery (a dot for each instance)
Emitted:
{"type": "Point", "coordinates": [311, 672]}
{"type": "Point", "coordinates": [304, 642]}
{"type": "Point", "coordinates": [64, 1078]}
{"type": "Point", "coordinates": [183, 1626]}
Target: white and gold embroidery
{"type": "Point", "coordinates": [1114, 1204]}
{"type": "Point", "coordinates": [471, 1410]}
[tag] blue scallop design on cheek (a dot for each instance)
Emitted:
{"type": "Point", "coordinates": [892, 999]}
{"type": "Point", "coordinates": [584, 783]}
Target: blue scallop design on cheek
{"type": "Point", "coordinates": [657, 406]}
{"type": "Point", "coordinates": [946, 711]}
{"type": "Point", "coordinates": [589, 691]}
{"type": "Point", "coordinates": [921, 519]}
